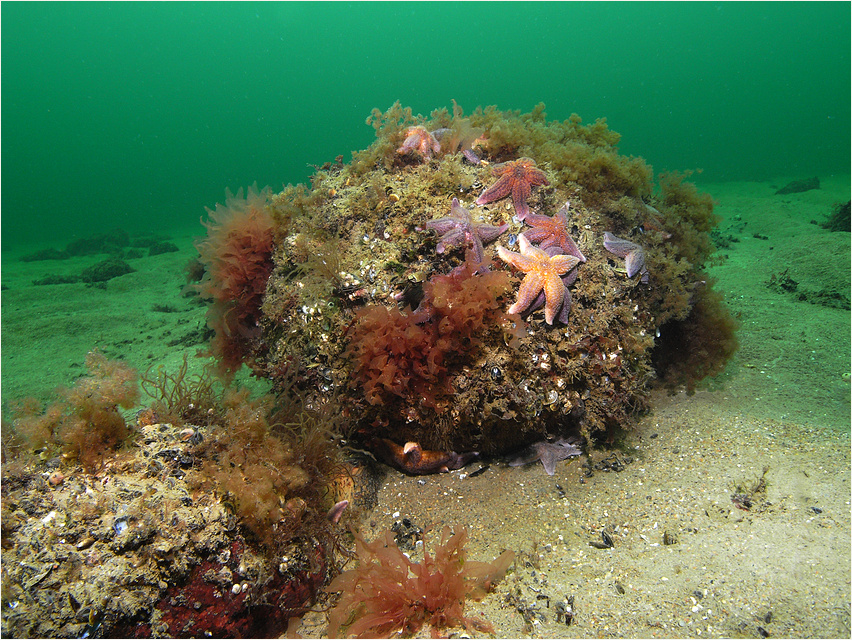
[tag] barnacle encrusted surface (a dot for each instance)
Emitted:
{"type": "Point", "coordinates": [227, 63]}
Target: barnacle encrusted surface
{"type": "Point", "coordinates": [355, 249]}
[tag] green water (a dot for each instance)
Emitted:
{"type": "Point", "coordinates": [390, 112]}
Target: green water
{"type": "Point", "coordinates": [140, 114]}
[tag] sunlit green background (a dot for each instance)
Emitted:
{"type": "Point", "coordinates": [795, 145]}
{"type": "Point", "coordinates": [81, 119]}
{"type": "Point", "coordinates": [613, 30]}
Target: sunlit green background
{"type": "Point", "coordinates": [140, 114]}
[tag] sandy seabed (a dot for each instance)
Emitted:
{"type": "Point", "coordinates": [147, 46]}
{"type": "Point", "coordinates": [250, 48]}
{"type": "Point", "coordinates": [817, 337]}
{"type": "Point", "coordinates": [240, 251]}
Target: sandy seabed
{"type": "Point", "coordinates": [686, 560]}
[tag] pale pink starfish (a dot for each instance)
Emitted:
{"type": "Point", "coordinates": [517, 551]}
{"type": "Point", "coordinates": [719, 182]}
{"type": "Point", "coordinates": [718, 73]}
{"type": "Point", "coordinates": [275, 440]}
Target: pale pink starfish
{"type": "Point", "coordinates": [420, 140]}
{"type": "Point", "coordinates": [542, 271]}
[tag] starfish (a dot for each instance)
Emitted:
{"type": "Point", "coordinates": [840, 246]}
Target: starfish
{"type": "Point", "coordinates": [549, 232]}
{"type": "Point", "coordinates": [568, 279]}
{"type": "Point", "coordinates": [516, 177]}
{"type": "Point", "coordinates": [542, 272]}
{"type": "Point", "coordinates": [418, 139]}
{"type": "Point", "coordinates": [548, 452]}
{"type": "Point", "coordinates": [633, 254]}
{"type": "Point", "coordinates": [459, 229]}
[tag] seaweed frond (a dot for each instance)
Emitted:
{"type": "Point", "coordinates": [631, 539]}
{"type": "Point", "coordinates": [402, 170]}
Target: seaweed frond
{"type": "Point", "coordinates": [388, 594]}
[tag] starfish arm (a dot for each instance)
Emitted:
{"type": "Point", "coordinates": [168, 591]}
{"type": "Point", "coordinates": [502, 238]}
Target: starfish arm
{"type": "Point", "coordinates": [527, 249]}
{"type": "Point", "coordinates": [517, 260]}
{"type": "Point", "coordinates": [488, 232]}
{"type": "Point", "coordinates": [570, 277]}
{"type": "Point", "coordinates": [520, 193]}
{"type": "Point", "coordinates": [536, 234]}
{"type": "Point", "coordinates": [551, 241]}
{"type": "Point", "coordinates": [538, 220]}
{"type": "Point", "coordinates": [537, 177]}
{"type": "Point", "coordinates": [563, 263]}
{"type": "Point", "coordinates": [499, 189]}
{"type": "Point", "coordinates": [527, 292]}
{"type": "Point", "coordinates": [410, 143]}
{"type": "Point", "coordinates": [618, 246]}
{"type": "Point", "coordinates": [554, 294]}
{"type": "Point", "coordinates": [459, 212]}
{"type": "Point", "coordinates": [524, 457]}
{"type": "Point", "coordinates": [634, 262]}
{"type": "Point", "coordinates": [548, 458]}
{"type": "Point", "coordinates": [570, 247]}
{"type": "Point", "coordinates": [566, 307]}
{"type": "Point", "coordinates": [443, 225]}
{"type": "Point", "coordinates": [536, 304]}
{"type": "Point", "coordinates": [453, 239]}
{"type": "Point", "coordinates": [478, 249]}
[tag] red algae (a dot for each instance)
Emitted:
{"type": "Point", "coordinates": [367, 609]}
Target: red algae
{"type": "Point", "coordinates": [85, 422]}
{"type": "Point", "coordinates": [387, 593]}
{"type": "Point", "coordinates": [237, 254]}
{"type": "Point", "coordinates": [408, 354]}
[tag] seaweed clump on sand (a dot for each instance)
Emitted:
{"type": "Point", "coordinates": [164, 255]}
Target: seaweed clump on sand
{"type": "Point", "coordinates": [388, 594]}
{"type": "Point", "coordinates": [85, 424]}
{"type": "Point", "coordinates": [350, 306]}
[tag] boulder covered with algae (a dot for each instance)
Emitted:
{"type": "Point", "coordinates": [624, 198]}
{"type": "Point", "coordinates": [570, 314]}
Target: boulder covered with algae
{"type": "Point", "coordinates": [400, 324]}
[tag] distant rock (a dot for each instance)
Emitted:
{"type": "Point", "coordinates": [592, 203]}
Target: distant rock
{"type": "Point", "coordinates": [798, 186]}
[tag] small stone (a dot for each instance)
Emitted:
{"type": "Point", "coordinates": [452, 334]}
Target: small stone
{"type": "Point", "coordinates": [85, 543]}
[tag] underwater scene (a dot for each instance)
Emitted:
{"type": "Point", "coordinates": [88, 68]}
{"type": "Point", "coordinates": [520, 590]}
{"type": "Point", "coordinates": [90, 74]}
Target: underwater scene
{"type": "Point", "coordinates": [426, 320]}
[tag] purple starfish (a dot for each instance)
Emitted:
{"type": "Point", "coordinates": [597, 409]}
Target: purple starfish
{"type": "Point", "coordinates": [633, 254]}
{"type": "Point", "coordinates": [548, 452]}
{"type": "Point", "coordinates": [458, 229]}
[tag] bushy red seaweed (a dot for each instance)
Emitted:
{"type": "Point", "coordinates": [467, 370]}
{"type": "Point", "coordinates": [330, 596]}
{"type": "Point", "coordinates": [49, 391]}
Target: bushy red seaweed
{"type": "Point", "coordinates": [86, 421]}
{"type": "Point", "coordinates": [237, 254]}
{"type": "Point", "coordinates": [410, 354]}
{"type": "Point", "coordinates": [388, 594]}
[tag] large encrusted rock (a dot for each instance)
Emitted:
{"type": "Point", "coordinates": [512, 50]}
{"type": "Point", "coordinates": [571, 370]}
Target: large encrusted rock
{"type": "Point", "coordinates": [351, 313]}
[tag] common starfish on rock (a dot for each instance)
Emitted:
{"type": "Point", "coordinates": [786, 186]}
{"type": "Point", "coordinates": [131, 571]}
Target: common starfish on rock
{"type": "Point", "coordinates": [550, 232]}
{"type": "Point", "coordinates": [516, 177]}
{"type": "Point", "coordinates": [568, 279]}
{"type": "Point", "coordinates": [420, 140]}
{"type": "Point", "coordinates": [548, 452]}
{"type": "Point", "coordinates": [459, 228]}
{"type": "Point", "coordinates": [542, 271]}
{"type": "Point", "coordinates": [633, 254]}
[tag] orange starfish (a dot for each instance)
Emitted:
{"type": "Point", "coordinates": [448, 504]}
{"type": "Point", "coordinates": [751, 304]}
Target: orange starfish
{"type": "Point", "coordinates": [420, 140]}
{"type": "Point", "coordinates": [542, 272]}
{"type": "Point", "coordinates": [516, 177]}
{"type": "Point", "coordinates": [553, 232]}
